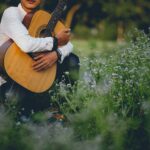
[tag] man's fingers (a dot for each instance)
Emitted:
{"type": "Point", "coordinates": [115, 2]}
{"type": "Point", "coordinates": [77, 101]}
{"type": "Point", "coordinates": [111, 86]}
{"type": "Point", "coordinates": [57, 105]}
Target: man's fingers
{"type": "Point", "coordinates": [67, 33]}
{"type": "Point", "coordinates": [38, 57]}
{"type": "Point", "coordinates": [39, 61]}
{"type": "Point", "coordinates": [40, 67]}
{"type": "Point", "coordinates": [67, 30]}
{"type": "Point", "coordinates": [43, 67]}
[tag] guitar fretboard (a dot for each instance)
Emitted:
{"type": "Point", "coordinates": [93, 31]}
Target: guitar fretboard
{"type": "Point", "coordinates": [56, 15]}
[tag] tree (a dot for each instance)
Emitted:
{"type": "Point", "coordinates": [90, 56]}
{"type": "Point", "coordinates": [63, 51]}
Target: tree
{"type": "Point", "coordinates": [123, 12]}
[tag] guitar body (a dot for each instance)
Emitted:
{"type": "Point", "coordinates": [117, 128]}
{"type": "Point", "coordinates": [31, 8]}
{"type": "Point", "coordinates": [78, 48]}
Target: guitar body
{"type": "Point", "coordinates": [18, 64]}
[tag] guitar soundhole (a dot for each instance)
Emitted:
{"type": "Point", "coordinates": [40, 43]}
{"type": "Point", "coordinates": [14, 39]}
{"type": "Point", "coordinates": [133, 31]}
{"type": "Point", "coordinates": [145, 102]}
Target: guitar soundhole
{"type": "Point", "coordinates": [41, 31]}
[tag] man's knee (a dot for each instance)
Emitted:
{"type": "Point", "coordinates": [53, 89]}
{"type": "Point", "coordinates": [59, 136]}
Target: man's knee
{"type": "Point", "coordinates": [73, 61]}
{"type": "Point", "coordinates": [70, 64]}
{"type": "Point", "coordinates": [73, 67]}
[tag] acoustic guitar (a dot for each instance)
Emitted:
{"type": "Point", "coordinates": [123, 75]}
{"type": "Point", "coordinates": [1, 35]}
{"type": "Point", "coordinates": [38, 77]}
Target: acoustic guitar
{"type": "Point", "coordinates": [18, 65]}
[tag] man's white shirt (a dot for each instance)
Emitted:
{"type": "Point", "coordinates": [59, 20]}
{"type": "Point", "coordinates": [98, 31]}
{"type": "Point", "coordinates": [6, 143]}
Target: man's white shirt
{"type": "Point", "coordinates": [11, 27]}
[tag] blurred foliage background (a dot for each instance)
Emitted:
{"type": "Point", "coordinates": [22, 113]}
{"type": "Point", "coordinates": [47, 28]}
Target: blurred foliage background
{"type": "Point", "coordinates": [104, 19]}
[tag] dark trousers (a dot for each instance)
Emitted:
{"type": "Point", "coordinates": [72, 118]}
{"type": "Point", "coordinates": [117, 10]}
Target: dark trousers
{"type": "Point", "coordinates": [28, 101]}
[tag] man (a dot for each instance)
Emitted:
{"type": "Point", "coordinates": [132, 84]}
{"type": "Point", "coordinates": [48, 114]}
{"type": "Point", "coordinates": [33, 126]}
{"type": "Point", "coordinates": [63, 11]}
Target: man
{"type": "Point", "coordinates": [11, 27]}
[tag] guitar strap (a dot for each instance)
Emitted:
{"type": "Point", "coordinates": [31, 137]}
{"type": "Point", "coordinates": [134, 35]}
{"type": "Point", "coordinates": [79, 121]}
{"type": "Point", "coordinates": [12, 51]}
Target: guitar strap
{"type": "Point", "coordinates": [27, 19]}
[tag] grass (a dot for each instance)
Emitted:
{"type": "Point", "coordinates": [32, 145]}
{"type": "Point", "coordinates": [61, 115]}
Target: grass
{"type": "Point", "coordinates": [109, 109]}
{"type": "Point", "coordinates": [89, 47]}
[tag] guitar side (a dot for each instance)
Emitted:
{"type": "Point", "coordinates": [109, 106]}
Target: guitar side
{"type": "Point", "coordinates": [18, 64]}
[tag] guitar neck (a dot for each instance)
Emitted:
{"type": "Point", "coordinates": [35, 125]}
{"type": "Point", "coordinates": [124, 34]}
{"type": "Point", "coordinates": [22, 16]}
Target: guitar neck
{"type": "Point", "coordinates": [56, 15]}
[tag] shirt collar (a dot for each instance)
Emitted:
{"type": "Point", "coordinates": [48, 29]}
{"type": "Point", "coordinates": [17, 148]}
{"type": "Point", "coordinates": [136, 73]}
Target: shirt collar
{"type": "Point", "coordinates": [21, 9]}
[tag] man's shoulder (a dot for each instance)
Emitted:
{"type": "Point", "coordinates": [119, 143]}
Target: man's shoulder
{"type": "Point", "coordinates": [11, 10]}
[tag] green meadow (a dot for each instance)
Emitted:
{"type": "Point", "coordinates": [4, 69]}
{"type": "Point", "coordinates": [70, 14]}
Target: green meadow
{"type": "Point", "coordinates": [107, 109]}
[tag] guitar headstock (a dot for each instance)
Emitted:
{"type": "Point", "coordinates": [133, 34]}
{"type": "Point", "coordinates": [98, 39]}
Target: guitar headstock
{"type": "Point", "coordinates": [62, 2]}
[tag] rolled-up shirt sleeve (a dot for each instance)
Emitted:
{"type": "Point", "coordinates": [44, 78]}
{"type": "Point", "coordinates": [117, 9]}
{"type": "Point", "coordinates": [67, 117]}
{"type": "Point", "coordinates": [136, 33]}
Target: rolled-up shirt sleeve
{"type": "Point", "coordinates": [66, 50]}
{"type": "Point", "coordinates": [13, 28]}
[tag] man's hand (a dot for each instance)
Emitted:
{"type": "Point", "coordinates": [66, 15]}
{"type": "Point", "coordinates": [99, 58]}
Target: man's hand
{"type": "Point", "coordinates": [63, 36]}
{"type": "Point", "coordinates": [44, 61]}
